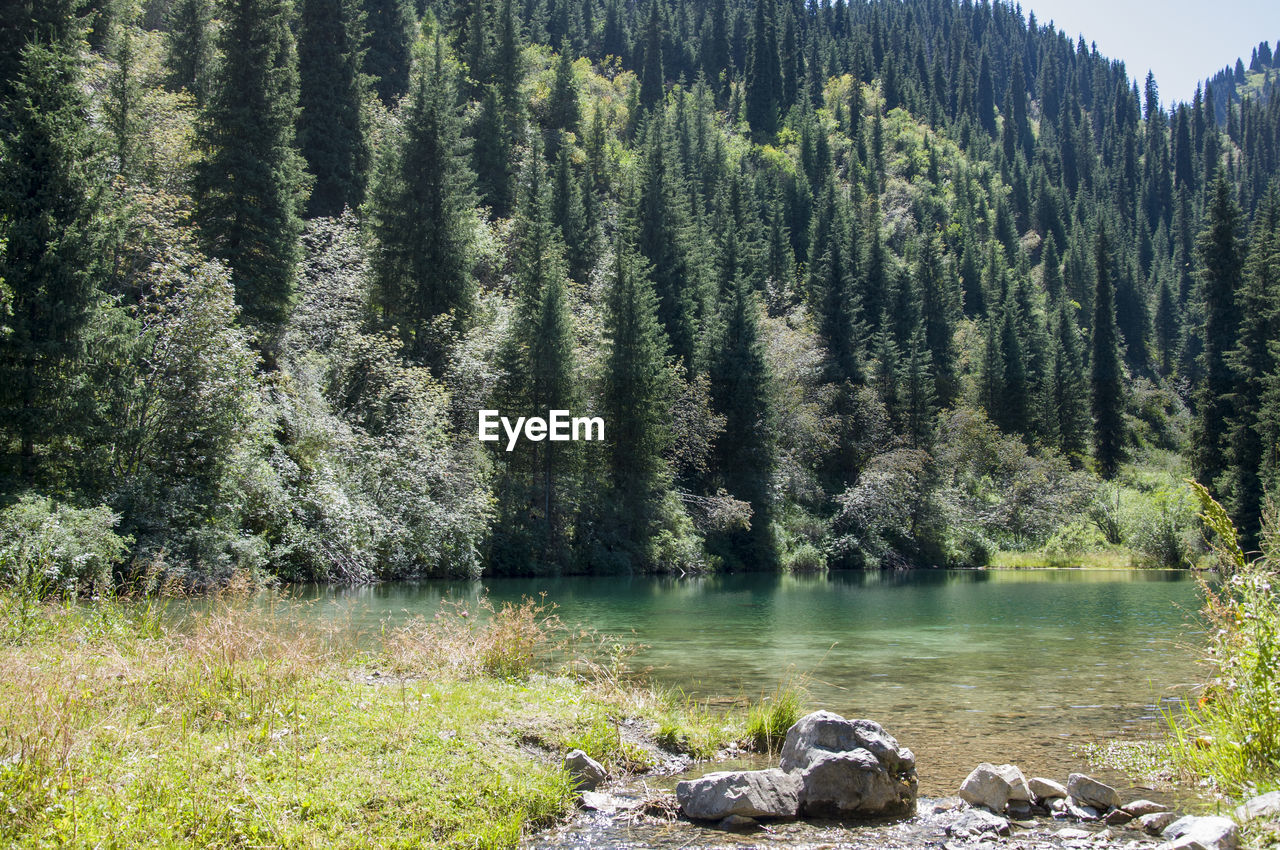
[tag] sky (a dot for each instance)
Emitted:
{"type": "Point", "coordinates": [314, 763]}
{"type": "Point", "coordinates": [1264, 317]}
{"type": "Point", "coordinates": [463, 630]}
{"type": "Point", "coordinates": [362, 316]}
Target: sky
{"type": "Point", "coordinates": [1182, 41]}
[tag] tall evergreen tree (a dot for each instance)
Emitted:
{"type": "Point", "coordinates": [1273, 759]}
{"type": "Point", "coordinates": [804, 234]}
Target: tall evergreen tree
{"type": "Point", "coordinates": [250, 185]}
{"type": "Point", "coordinates": [421, 216]}
{"type": "Point", "coordinates": [331, 124]}
{"type": "Point", "coordinates": [652, 79]}
{"type": "Point", "coordinates": [390, 47]}
{"type": "Point", "coordinates": [1068, 394]}
{"type": "Point", "coordinates": [1222, 262]}
{"type": "Point", "coordinates": [570, 216]}
{"type": "Point", "coordinates": [190, 47]}
{"type": "Point", "coordinates": [491, 153]}
{"type": "Point", "coordinates": [1106, 373]}
{"type": "Point", "coordinates": [764, 78]}
{"type": "Point", "coordinates": [53, 244]}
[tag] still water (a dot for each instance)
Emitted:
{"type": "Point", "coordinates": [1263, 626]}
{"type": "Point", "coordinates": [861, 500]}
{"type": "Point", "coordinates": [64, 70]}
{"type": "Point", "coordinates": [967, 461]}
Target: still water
{"type": "Point", "coordinates": [962, 666]}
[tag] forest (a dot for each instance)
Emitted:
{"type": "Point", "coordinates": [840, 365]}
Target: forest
{"type": "Point", "coordinates": [851, 285]}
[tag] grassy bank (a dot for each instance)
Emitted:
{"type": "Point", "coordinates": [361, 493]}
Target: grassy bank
{"type": "Point", "coordinates": [246, 726]}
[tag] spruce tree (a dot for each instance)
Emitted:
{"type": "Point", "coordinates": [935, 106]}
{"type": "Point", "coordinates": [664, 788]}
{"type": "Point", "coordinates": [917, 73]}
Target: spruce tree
{"type": "Point", "coordinates": [635, 399]}
{"type": "Point", "coordinates": [940, 310]}
{"type": "Point", "coordinates": [652, 82]}
{"type": "Point", "coordinates": [1106, 373]}
{"type": "Point", "coordinates": [190, 48]}
{"type": "Point", "coordinates": [1252, 361]}
{"type": "Point", "coordinates": [331, 125]}
{"type": "Point", "coordinates": [1222, 262]}
{"type": "Point", "coordinates": [53, 242]}
{"type": "Point", "coordinates": [744, 450]}
{"type": "Point", "coordinates": [421, 217]}
{"type": "Point", "coordinates": [491, 153]}
{"type": "Point", "coordinates": [569, 214]}
{"type": "Point", "coordinates": [919, 398]}
{"type": "Point", "coordinates": [250, 185]}
{"type": "Point", "coordinates": [390, 47]}
{"type": "Point", "coordinates": [1068, 394]}
{"type": "Point", "coordinates": [764, 77]}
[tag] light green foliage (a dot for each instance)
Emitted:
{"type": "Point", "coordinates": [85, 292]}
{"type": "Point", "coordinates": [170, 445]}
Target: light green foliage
{"type": "Point", "coordinates": [48, 548]}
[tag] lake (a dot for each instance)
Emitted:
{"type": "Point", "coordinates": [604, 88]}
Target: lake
{"type": "Point", "coordinates": [962, 666]}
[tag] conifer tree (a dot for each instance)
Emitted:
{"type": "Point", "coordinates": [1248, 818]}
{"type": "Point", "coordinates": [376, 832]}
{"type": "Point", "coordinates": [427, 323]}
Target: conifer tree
{"type": "Point", "coordinates": [190, 48]}
{"type": "Point", "coordinates": [569, 214]}
{"type": "Point", "coordinates": [635, 401]}
{"type": "Point", "coordinates": [250, 185]}
{"type": "Point", "coordinates": [563, 113]}
{"type": "Point", "coordinates": [919, 400]}
{"type": "Point", "coordinates": [744, 450]}
{"type": "Point", "coordinates": [390, 47]}
{"type": "Point", "coordinates": [764, 78]}
{"type": "Point", "coordinates": [1253, 359]}
{"type": "Point", "coordinates": [53, 242]}
{"type": "Point", "coordinates": [1222, 261]}
{"type": "Point", "coordinates": [652, 80]}
{"type": "Point", "coordinates": [940, 310]}
{"type": "Point", "coordinates": [491, 153]}
{"type": "Point", "coordinates": [421, 218]}
{"type": "Point", "coordinates": [331, 125]}
{"type": "Point", "coordinates": [1067, 391]}
{"type": "Point", "coordinates": [1106, 372]}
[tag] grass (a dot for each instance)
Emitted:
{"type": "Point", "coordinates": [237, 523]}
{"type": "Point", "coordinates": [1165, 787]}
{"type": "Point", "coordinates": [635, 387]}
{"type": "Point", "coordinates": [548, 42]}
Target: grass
{"type": "Point", "coordinates": [1105, 559]}
{"type": "Point", "coordinates": [249, 726]}
{"type": "Point", "coordinates": [769, 719]}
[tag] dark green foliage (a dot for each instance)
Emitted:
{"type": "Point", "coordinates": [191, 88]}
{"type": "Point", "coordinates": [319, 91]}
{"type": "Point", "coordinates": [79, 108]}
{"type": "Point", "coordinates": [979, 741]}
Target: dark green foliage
{"type": "Point", "coordinates": [420, 214]}
{"type": "Point", "coordinates": [491, 155]}
{"type": "Point", "coordinates": [190, 56]}
{"type": "Point", "coordinates": [569, 214]}
{"type": "Point", "coordinates": [1106, 374]}
{"type": "Point", "coordinates": [652, 80]}
{"type": "Point", "coordinates": [53, 243]}
{"type": "Point", "coordinates": [389, 52]}
{"type": "Point", "coordinates": [1222, 258]}
{"type": "Point", "coordinates": [331, 125]}
{"type": "Point", "coordinates": [764, 77]}
{"type": "Point", "coordinates": [250, 186]}
{"type": "Point", "coordinates": [1068, 394]}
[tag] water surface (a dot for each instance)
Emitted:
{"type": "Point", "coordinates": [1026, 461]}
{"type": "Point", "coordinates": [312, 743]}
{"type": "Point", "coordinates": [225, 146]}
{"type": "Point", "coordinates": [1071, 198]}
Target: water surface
{"type": "Point", "coordinates": [962, 666]}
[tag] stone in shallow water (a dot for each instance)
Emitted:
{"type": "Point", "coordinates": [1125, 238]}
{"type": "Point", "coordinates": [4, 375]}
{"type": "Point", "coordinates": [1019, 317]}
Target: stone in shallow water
{"type": "Point", "coordinates": [1117, 817]}
{"type": "Point", "coordinates": [769, 793]}
{"type": "Point", "coordinates": [1088, 791]}
{"type": "Point", "coordinates": [986, 786]}
{"type": "Point", "coordinates": [854, 785]}
{"type": "Point", "coordinates": [972, 822]}
{"type": "Point", "coordinates": [1197, 833]}
{"type": "Point", "coordinates": [1138, 808]}
{"type": "Point", "coordinates": [1081, 812]}
{"type": "Point", "coordinates": [1046, 789]}
{"type": "Point", "coordinates": [587, 773]}
{"type": "Point", "coordinates": [1264, 806]}
{"type": "Point", "coordinates": [1156, 822]}
{"type": "Point", "coordinates": [826, 731]}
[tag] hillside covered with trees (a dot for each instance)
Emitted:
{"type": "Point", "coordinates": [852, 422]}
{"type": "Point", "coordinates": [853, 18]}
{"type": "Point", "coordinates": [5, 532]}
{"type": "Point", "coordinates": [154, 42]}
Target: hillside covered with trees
{"type": "Point", "coordinates": [851, 285]}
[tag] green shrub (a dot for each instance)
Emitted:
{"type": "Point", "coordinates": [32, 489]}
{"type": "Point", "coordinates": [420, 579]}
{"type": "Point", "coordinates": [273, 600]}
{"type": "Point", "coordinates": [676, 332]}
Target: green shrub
{"type": "Point", "coordinates": [769, 719]}
{"type": "Point", "coordinates": [48, 548]}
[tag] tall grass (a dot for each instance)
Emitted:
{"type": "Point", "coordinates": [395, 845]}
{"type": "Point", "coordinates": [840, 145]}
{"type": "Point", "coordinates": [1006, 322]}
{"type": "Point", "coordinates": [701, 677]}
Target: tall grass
{"type": "Point", "coordinates": [769, 718]}
{"type": "Point", "coordinates": [1230, 735]}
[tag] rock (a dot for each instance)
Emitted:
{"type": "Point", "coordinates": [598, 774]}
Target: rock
{"type": "Point", "coordinates": [1138, 808]}
{"type": "Point", "coordinates": [1072, 834]}
{"type": "Point", "coordinates": [824, 731]}
{"type": "Point", "coordinates": [855, 784]}
{"type": "Point", "coordinates": [1117, 817]}
{"type": "Point", "coordinates": [1019, 809]}
{"type": "Point", "coordinates": [1018, 788]}
{"type": "Point", "coordinates": [971, 822]}
{"type": "Point", "coordinates": [1081, 812]}
{"type": "Point", "coordinates": [586, 772]}
{"type": "Point", "coordinates": [1264, 806]}
{"type": "Point", "coordinates": [1156, 822]}
{"type": "Point", "coordinates": [986, 786]}
{"type": "Point", "coordinates": [1197, 833]}
{"type": "Point", "coordinates": [738, 823]}
{"type": "Point", "coordinates": [1046, 789]}
{"type": "Point", "coordinates": [769, 793]}
{"type": "Point", "coordinates": [1090, 792]}
{"type": "Point", "coordinates": [1103, 837]}
{"type": "Point", "coordinates": [946, 804]}
{"type": "Point", "coordinates": [1058, 806]}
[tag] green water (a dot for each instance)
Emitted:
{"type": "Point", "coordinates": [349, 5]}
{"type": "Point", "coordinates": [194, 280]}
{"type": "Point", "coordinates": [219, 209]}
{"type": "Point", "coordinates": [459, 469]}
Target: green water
{"type": "Point", "coordinates": [962, 666]}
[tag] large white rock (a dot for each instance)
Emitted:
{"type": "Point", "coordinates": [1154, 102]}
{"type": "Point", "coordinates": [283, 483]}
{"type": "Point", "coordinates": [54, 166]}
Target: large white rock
{"type": "Point", "coordinates": [855, 784]}
{"type": "Point", "coordinates": [1088, 791]}
{"type": "Point", "coordinates": [1018, 788]}
{"type": "Point", "coordinates": [1046, 789]}
{"type": "Point", "coordinates": [986, 786]}
{"type": "Point", "coordinates": [1138, 808]}
{"type": "Point", "coordinates": [1156, 822]}
{"type": "Point", "coordinates": [827, 732]}
{"type": "Point", "coordinates": [1264, 806]}
{"type": "Point", "coordinates": [769, 793]}
{"type": "Point", "coordinates": [1201, 833]}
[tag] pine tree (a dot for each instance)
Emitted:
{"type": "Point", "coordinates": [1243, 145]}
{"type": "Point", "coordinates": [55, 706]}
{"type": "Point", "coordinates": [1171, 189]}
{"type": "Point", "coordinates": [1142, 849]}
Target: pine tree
{"type": "Point", "coordinates": [53, 243]}
{"type": "Point", "coordinates": [1252, 361]}
{"type": "Point", "coordinates": [1068, 394]}
{"type": "Point", "coordinates": [569, 214]}
{"type": "Point", "coordinates": [390, 47]}
{"type": "Point", "coordinates": [635, 401]}
{"type": "Point", "coordinates": [1106, 373]}
{"type": "Point", "coordinates": [940, 310]}
{"type": "Point", "coordinates": [331, 125]}
{"type": "Point", "coordinates": [491, 153]}
{"type": "Point", "coordinates": [652, 81]}
{"type": "Point", "coordinates": [250, 186]}
{"type": "Point", "coordinates": [744, 450]}
{"type": "Point", "coordinates": [919, 400]}
{"type": "Point", "coordinates": [563, 113]}
{"type": "Point", "coordinates": [764, 79]}
{"type": "Point", "coordinates": [508, 60]}
{"type": "Point", "coordinates": [190, 48]}
{"type": "Point", "coordinates": [421, 218]}
{"type": "Point", "coordinates": [1222, 261]}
